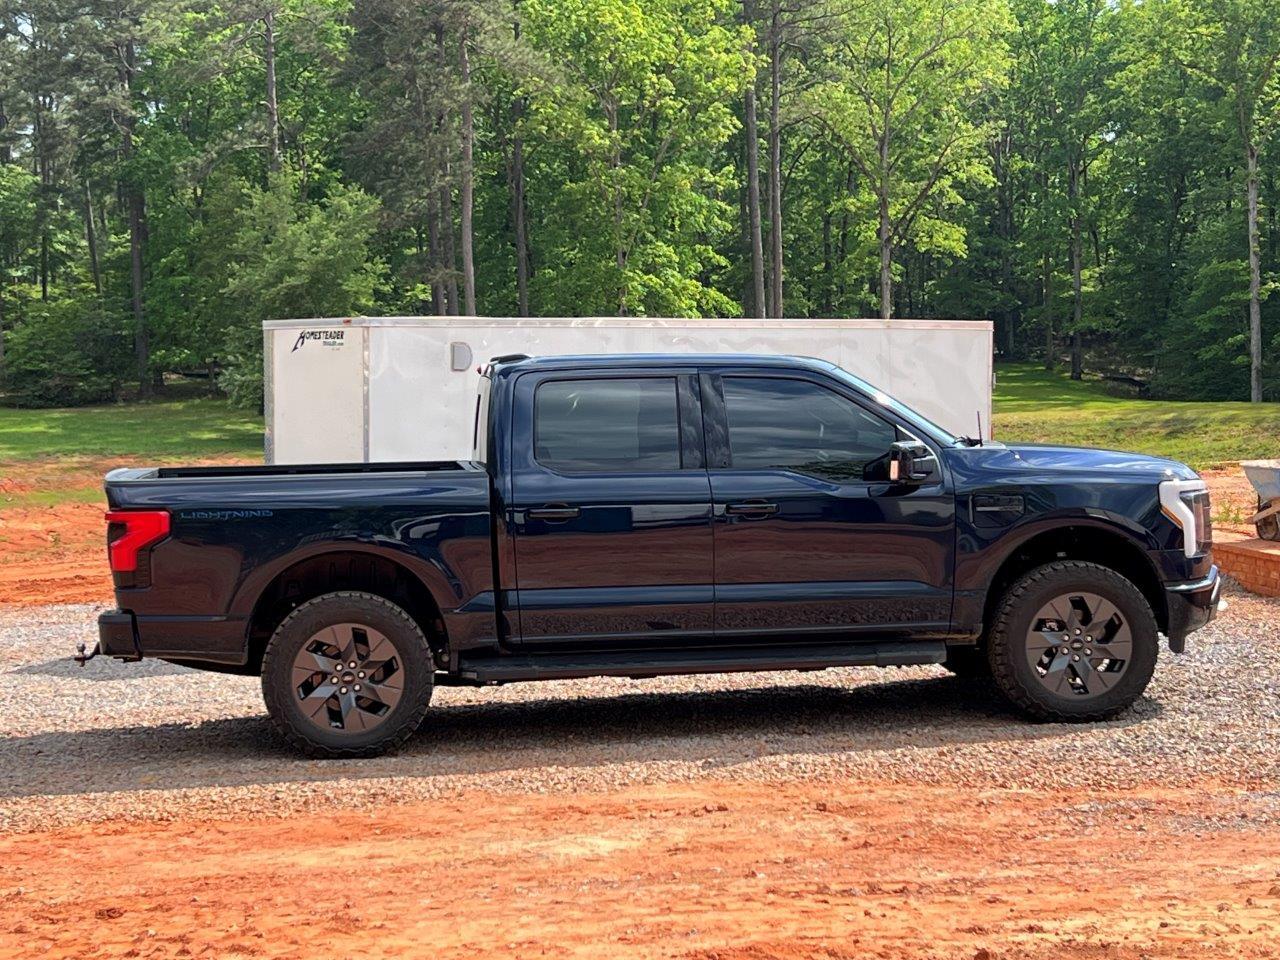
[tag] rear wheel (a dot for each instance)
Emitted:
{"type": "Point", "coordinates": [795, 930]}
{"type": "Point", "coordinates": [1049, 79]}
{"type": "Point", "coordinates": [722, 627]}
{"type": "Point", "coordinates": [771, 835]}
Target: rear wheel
{"type": "Point", "coordinates": [1073, 641]}
{"type": "Point", "coordinates": [347, 675]}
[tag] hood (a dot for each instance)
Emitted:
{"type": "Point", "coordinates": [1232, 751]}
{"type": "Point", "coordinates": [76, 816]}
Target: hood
{"type": "Point", "coordinates": [1045, 458]}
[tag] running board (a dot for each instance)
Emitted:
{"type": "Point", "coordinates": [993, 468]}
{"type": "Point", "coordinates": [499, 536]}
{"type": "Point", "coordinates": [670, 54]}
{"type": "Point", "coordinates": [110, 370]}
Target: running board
{"type": "Point", "coordinates": [655, 663]}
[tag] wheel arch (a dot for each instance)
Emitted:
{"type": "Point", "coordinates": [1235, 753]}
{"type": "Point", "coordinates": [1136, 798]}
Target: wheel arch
{"type": "Point", "coordinates": [300, 578]}
{"type": "Point", "coordinates": [1106, 545]}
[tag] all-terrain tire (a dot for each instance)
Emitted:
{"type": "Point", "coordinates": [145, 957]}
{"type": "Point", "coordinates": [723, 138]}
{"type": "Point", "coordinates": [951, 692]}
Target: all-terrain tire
{"type": "Point", "coordinates": [1016, 678]}
{"type": "Point", "coordinates": [347, 607]}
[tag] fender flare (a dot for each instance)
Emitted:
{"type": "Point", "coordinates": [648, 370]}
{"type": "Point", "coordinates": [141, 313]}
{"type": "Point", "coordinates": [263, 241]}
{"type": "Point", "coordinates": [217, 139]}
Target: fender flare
{"type": "Point", "coordinates": [443, 589]}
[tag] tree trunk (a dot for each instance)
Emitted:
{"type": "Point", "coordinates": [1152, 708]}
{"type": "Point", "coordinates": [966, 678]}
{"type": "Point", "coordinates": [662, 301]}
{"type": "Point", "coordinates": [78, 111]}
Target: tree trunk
{"type": "Point", "coordinates": [828, 267]}
{"type": "Point", "coordinates": [435, 265]}
{"type": "Point", "coordinates": [518, 224]}
{"type": "Point", "coordinates": [1077, 294]}
{"type": "Point", "coordinates": [6, 155]}
{"type": "Point", "coordinates": [1047, 293]}
{"type": "Point", "coordinates": [91, 240]}
{"type": "Point", "coordinates": [775, 160]}
{"type": "Point", "coordinates": [1255, 274]}
{"type": "Point", "coordinates": [620, 252]}
{"type": "Point", "coordinates": [273, 109]}
{"type": "Point", "coordinates": [137, 237]}
{"type": "Point", "coordinates": [42, 212]}
{"type": "Point", "coordinates": [449, 250]}
{"type": "Point", "coordinates": [751, 139]}
{"type": "Point", "coordinates": [844, 237]}
{"type": "Point", "coordinates": [885, 234]}
{"type": "Point", "coordinates": [466, 192]}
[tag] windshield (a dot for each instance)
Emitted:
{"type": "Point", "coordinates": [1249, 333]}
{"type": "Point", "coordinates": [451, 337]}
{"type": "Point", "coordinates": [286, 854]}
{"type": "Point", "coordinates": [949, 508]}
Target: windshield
{"type": "Point", "coordinates": [906, 413]}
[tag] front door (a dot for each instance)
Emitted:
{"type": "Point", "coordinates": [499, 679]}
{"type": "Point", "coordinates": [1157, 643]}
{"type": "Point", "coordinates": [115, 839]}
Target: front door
{"type": "Point", "coordinates": [811, 538]}
{"type": "Point", "coordinates": [611, 510]}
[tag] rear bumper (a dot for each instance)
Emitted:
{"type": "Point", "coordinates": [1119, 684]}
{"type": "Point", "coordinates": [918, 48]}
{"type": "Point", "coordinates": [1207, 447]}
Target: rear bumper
{"type": "Point", "coordinates": [118, 635]}
{"type": "Point", "coordinates": [1191, 605]}
{"type": "Point", "coordinates": [216, 640]}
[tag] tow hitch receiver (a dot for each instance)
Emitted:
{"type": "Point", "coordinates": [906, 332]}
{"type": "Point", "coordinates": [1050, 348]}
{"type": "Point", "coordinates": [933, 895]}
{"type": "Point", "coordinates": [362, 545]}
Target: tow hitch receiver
{"type": "Point", "coordinates": [82, 657]}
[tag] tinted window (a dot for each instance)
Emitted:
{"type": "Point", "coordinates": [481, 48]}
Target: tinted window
{"type": "Point", "coordinates": [796, 425]}
{"type": "Point", "coordinates": [604, 426]}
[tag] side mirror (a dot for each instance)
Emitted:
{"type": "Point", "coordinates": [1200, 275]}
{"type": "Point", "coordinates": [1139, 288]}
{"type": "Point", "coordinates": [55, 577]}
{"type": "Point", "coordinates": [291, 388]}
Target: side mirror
{"type": "Point", "coordinates": [910, 461]}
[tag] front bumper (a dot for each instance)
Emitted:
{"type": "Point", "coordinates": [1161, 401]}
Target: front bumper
{"type": "Point", "coordinates": [1191, 605]}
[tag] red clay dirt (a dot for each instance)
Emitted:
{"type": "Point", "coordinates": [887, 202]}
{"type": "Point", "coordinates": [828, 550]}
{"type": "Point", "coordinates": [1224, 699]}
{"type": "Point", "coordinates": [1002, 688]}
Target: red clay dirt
{"type": "Point", "coordinates": [707, 871]}
{"type": "Point", "coordinates": [56, 553]}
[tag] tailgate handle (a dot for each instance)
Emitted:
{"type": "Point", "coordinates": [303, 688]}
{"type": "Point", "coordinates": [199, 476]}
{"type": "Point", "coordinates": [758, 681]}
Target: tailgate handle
{"type": "Point", "coordinates": [554, 513]}
{"type": "Point", "coordinates": [751, 508]}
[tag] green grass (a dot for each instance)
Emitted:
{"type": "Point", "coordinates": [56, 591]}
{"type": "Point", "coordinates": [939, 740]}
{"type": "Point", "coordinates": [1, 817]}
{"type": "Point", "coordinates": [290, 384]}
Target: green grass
{"type": "Point", "coordinates": [1032, 405]}
{"type": "Point", "coordinates": [169, 429]}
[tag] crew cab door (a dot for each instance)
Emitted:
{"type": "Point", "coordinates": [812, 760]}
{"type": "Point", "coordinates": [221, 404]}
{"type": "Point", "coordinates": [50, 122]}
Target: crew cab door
{"type": "Point", "coordinates": [811, 538]}
{"type": "Point", "coordinates": [610, 509]}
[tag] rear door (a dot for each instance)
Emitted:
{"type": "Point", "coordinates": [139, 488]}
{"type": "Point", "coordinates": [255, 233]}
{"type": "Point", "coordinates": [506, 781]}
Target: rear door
{"type": "Point", "coordinates": [611, 509]}
{"type": "Point", "coordinates": [810, 537]}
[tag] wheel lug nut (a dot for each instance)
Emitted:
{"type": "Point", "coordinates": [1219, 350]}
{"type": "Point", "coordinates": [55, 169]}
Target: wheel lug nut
{"type": "Point", "coordinates": [1076, 657]}
{"type": "Point", "coordinates": [342, 689]}
{"type": "Point", "coordinates": [1088, 652]}
{"type": "Point", "coordinates": [353, 663]}
{"type": "Point", "coordinates": [356, 687]}
{"type": "Point", "coordinates": [333, 679]}
{"type": "Point", "coordinates": [360, 674]}
{"type": "Point", "coordinates": [1077, 629]}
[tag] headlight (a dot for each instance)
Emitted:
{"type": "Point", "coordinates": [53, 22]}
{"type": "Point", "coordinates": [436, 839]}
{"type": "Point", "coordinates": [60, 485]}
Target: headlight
{"type": "Point", "coordinates": [1186, 503]}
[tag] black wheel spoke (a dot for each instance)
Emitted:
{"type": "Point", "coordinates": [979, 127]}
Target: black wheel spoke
{"type": "Point", "coordinates": [348, 677]}
{"type": "Point", "coordinates": [1079, 645]}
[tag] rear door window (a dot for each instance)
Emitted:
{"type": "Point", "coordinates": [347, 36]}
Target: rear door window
{"type": "Point", "coordinates": [621, 425]}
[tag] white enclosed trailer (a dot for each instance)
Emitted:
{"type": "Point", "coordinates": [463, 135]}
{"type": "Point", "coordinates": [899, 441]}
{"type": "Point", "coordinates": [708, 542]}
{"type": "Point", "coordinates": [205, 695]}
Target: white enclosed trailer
{"type": "Point", "coordinates": [403, 388]}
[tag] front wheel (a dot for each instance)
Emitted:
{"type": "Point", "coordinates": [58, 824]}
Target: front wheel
{"type": "Point", "coordinates": [347, 675]}
{"type": "Point", "coordinates": [1072, 642]}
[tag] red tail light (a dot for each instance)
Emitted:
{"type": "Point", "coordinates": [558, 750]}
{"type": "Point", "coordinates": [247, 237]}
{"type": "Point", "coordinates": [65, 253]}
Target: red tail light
{"type": "Point", "coordinates": [130, 531]}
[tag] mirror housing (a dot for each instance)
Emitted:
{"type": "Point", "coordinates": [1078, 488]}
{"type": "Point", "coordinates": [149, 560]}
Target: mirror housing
{"type": "Point", "coordinates": [910, 461]}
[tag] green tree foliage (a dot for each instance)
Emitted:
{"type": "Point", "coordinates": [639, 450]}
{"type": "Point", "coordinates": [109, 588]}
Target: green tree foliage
{"type": "Point", "coordinates": [903, 92]}
{"type": "Point", "coordinates": [1099, 178]}
{"type": "Point", "coordinates": [287, 260]}
{"type": "Point", "coordinates": [636, 114]}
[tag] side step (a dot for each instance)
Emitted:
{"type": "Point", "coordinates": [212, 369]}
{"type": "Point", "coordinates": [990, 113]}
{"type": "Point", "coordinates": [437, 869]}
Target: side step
{"type": "Point", "coordinates": [640, 665]}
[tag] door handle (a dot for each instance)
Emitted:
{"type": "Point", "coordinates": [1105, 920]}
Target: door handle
{"type": "Point", "coordinates": [751, 508]}
{"type": "Point", "coordinates": [554, 513]}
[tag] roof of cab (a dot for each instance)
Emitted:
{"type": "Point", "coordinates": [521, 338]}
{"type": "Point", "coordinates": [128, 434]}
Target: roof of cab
{"type": "Point", "coordinates": [512, 364]}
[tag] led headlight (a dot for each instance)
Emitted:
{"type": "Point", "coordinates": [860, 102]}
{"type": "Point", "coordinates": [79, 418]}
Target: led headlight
{"type": "Point", "coordinates": [1186, 503]}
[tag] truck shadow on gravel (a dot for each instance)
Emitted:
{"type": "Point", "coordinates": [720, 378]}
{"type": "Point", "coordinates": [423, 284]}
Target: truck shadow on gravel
{"type": "Point", "coordinates": [705, 730]}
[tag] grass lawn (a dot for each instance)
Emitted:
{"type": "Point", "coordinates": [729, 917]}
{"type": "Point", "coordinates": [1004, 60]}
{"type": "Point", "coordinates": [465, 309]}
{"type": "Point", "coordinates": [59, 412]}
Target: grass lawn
{"type": "Point", "coordinates": [1032, 405]}
{"type": "Point", "coordinates": [174, 429]}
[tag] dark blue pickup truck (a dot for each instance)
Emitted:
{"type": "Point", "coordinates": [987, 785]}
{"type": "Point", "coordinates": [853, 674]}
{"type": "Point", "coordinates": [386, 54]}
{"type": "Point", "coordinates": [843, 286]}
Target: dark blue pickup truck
{"type": "Point", "coordinates": [645, 515]}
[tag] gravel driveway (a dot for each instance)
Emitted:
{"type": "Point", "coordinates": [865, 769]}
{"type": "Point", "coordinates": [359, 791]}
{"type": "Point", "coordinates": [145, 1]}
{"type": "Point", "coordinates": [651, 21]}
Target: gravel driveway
{"type": "Point", "coordinates": [155, 741]}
